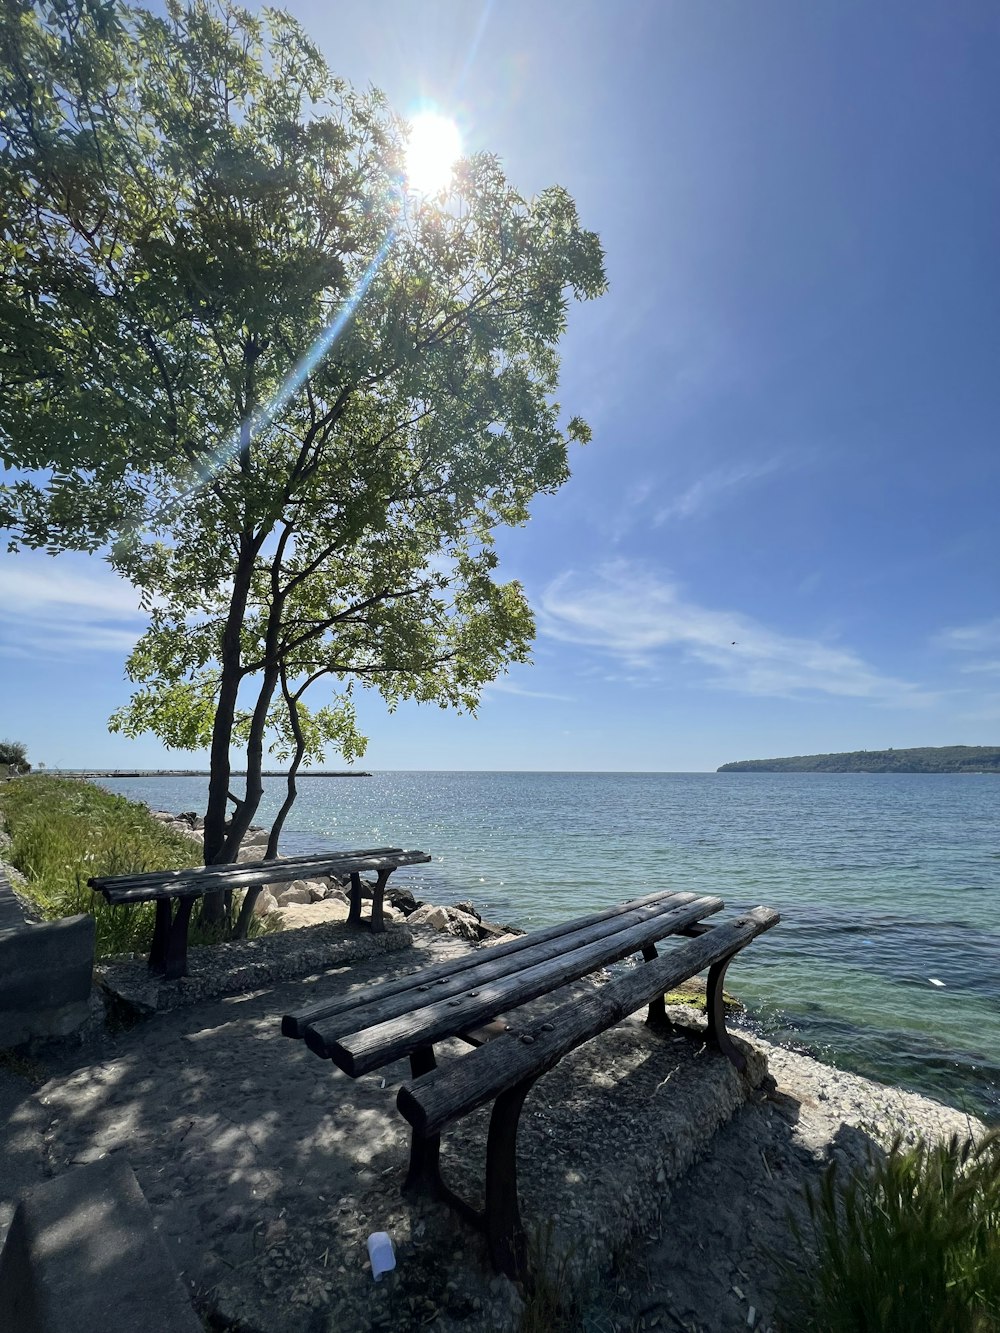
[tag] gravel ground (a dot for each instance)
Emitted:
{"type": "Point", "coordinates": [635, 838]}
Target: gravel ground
{"type": "Point", "coordinates": [266, 1168]}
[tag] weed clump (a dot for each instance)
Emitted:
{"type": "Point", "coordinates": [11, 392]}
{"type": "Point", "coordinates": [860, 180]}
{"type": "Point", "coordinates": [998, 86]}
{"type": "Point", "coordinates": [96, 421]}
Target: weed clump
{"type": "Point", "coordinates": [913, 1242]}
{"type": "Point", "coordinates": [63, 831]}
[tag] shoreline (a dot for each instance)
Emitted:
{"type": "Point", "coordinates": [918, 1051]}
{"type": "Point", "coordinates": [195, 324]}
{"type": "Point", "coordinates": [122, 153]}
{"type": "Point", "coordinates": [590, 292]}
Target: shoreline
{"type": "Point", "coordinates": [322, 904]}
{"type": "Point", "coordinates": [88, 773]}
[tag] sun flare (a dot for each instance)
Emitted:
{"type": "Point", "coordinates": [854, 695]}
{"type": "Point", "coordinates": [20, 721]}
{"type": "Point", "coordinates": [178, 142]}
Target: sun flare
{"type": "Point", "coordinates": [433, 148]}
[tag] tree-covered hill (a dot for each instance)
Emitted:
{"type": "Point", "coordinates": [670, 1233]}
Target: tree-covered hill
{"type": "Point", "coordinates": [923, 759]}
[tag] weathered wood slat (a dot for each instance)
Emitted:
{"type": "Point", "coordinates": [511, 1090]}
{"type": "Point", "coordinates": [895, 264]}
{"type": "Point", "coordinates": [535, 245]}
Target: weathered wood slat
{"type": "Point", "coordinates": [444, 1095]}
{"type": "Point", "coordinates": [475, 969]}
{"type": "Point", "coordinates": [360, 1051]}
{"type": "Point", "coordinates": [225, 868]}
{"type": "Point", "coordinates": [250, 873]}
{"type": "Point", "coordinates": [294, 1025]}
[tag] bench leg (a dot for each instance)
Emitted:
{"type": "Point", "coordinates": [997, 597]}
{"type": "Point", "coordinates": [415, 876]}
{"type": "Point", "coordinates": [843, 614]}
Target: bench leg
{"type": "Point", "coordinates": [504, 1232]}
{"type": "Point", "coordinates": [424, 1173]}
{"type": "Point", "coordinates": [715, 1008]}
{"type": "Point", "coordinates": [657, 1015]}
{"type": "Point", "coordinates": [425, 1149]}
{"type": "Point", "coordinates": [161, 936]}
{"type": "Point", "coordinates": [378, 890]}
{"type": "Point", "coordinates": [177, 941]}
{"type": "Point", "coordinates": [354, 915]}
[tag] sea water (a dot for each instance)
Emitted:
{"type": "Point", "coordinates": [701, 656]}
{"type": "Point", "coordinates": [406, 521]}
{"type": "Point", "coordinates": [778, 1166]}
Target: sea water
{"type": "Point", "coordinates": [887, 958]}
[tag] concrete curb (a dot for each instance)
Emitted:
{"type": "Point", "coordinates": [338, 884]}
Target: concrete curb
{"type": "Point", "coordinates": [46, 971]}
{"type": "Point", "coordinates": [247, 965]}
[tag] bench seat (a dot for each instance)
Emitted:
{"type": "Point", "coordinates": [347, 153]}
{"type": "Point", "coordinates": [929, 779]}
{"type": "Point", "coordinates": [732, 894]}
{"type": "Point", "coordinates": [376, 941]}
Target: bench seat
{"type": "Point", "coordinates": [379, 1030]}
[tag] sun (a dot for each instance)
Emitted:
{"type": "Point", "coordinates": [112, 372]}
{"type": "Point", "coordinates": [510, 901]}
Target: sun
{"type": "Point", "coordinates": [433, 148]}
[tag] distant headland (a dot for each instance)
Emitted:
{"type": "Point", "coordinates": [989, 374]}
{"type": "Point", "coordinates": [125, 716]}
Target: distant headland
{"type": "Point", "coordinates": [923, 759]}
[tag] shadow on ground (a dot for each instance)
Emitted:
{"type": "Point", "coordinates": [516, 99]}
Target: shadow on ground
{"type": "Point", "coordinates": [266, 1168]}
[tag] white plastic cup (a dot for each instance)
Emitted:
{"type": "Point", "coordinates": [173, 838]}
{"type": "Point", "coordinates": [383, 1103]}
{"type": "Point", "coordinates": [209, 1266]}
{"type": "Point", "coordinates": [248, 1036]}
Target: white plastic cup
{"type": "Point", "coordinates": [381, 1254]}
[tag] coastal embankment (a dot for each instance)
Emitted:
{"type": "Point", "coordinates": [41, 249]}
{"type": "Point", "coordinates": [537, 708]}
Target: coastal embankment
{"type": "Point", "coordinates": [886, 886]}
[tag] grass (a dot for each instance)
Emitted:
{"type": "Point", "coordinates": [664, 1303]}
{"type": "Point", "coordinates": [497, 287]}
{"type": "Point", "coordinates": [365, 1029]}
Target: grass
{"type": "Point", "coordinates": [63, 831]}
{"type": "Point", "coordinates": [553, 1301]}
{"type": "Point", "coordinates": [911, 1243]}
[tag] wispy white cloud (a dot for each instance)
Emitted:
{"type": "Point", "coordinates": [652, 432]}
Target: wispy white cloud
{"type": "Point", "coordinates": [640, 619]}
{"type": "Point", "coordinates": [979, 645]}
{"type": "Point", "coordinates": [510, 687]}
{"type": "Point", "coordinates": [62, 607]}
{"type": "Point", "coordinates": [709, 491]}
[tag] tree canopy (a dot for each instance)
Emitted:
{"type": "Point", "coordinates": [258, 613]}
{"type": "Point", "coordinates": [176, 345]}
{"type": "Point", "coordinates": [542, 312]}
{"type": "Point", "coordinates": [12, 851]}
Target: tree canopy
{"type": "Point", "coordinates": [289, 399]}
{"type": "Point", "coordinates": [14, 756]}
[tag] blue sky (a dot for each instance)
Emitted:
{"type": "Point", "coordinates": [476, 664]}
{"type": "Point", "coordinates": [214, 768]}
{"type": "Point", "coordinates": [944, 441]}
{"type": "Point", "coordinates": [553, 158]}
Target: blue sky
{"type": "Point", "coordinates": [783, 538]}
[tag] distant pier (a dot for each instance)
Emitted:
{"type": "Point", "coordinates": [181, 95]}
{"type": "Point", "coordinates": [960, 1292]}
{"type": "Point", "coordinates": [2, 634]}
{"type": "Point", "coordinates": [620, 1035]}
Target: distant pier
{"type": "Point", "coordinates": [190, 773]}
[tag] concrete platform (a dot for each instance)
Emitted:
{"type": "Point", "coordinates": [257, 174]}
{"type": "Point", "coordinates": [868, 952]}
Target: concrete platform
{"type": "Point", "coordinates": [82, 1256]}
{"type": "Point", "coordinates": [247, 965]}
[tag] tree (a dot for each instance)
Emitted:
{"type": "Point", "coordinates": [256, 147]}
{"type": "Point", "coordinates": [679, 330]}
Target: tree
{"type": "Point", "coordinates": [14, 757]}
{"type": "Point", "coordinates": [290, 401]}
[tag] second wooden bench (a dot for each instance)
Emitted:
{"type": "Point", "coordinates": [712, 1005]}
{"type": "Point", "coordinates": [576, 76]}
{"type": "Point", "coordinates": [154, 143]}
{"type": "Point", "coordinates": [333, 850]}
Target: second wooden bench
{"type": "Point", "coordinates": [168, 953]}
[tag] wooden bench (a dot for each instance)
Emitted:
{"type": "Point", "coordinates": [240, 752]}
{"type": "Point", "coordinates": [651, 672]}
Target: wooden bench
{"type": "Point", "coordinates": [168, 954]}
{"type": "Point", "coordinates": [479, 997]}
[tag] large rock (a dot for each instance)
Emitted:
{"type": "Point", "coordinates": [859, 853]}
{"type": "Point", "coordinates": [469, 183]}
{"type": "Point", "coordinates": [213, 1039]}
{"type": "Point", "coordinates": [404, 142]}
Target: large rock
{"type": "Point", "coordinates": [448, 919]}
{"type": "Point", "coordinates": [293, 915]}
{"type": "Point", "coordinates": [461, 924]}
{"type": "Point", "coordinates": [265, 903]}
{"type": "Point", "coordinates": [428, 915]}
{"type": "Point", "coordinates": [296, 892]}
{"type": "Point", "coordinates": [467, 908]}
{"type": "Point", "coordinates": [403, 899]}
{"type": "Point", "coordinates": [253, 847]}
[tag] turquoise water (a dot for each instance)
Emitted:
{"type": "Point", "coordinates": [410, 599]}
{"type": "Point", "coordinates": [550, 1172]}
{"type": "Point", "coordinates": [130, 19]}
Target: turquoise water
{"type": "Point", "coordinates": [884, 881]}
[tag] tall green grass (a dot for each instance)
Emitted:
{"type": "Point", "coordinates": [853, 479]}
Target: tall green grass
{"type": "Point", "coordinates": [913, 1243]}
{"type": "Point", "coordinates": [63, 831]}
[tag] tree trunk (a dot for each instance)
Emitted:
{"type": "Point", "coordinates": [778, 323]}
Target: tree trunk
{"type": "Point", "coordinates": [251, 896]}
{"type": "Point", "coordinates": [213, 908]}
{"type": "Point", "coordinates": [254, 790]}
